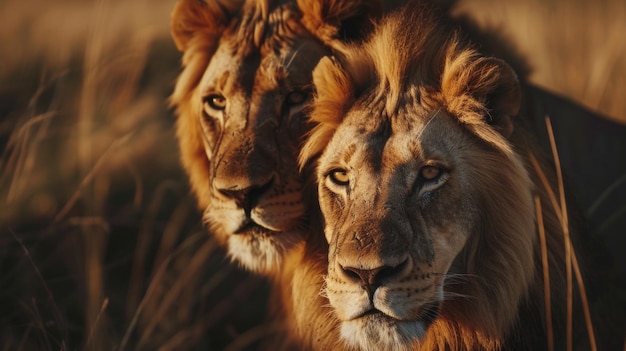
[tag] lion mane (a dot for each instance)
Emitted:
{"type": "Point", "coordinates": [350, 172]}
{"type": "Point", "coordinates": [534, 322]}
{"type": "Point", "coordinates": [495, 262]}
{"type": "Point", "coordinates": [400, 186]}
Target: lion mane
{"type": "Point", "coordinates": [432, 190]}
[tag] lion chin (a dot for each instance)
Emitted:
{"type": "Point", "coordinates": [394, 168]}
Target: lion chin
{"type": "Point", "coordinates": [377, 331]}
{"type": "Point", "coordinates": [256, 243]}
{"type": "Point", "coordinates": [261, 250]}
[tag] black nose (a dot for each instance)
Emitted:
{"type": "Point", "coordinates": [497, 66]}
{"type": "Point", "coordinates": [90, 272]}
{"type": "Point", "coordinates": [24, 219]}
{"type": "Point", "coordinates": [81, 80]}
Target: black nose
{"type": "Point", "coordinates": [372, 279]}
{"type": "Point", "coordinates": [248, 197]}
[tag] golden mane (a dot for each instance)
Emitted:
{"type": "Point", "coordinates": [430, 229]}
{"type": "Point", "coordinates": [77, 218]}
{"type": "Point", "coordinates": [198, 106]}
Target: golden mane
{"type": "Point", "coordinates": [395, 58]}
{"type": "Point", "coordinates": [416, 55]}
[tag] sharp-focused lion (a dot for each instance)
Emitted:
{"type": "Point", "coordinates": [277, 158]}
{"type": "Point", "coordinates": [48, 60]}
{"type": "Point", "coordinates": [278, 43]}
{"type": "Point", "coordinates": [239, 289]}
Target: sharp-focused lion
{"type": "Point", "coordinates": [239, 100]}
{"type": "Point", "coordinates": [428, 185]}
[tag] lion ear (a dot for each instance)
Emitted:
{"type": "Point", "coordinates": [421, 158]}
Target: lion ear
{"type": "Point", "coordinates": [488, 88]}
{"type": "Point", "coordinates": [330, 20]}
{"type": "Point", "coordinates": [504, 97]}
{"type": "Point", "coordinates": [200, 19]}
{"type": "Point", "coordinates": [334, 91]}
{"type": "Point", "coordinates": [497, 86]}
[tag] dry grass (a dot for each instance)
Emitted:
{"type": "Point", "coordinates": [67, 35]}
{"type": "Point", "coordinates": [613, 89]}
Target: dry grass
{"type": "Point", "coordinates": [101, 247]}
{"type": "Point", "coordinates": [559, 204]}
{"type": "Point", "coordinates": [576, 47]}
{"type": "Point", "coordinates": [100, 243]}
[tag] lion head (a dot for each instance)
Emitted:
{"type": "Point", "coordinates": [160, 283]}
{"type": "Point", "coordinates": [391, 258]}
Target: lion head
{"type": "Point", "coordinates": [240, 103]}
{"type": "Point", "coordinates": [427, 193]}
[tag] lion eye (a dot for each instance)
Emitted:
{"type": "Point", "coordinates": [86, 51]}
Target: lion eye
{"type": "Point", "coordinates": [215, 102]}
{"type": "Point", "coordinates": [430, 172]}
{"type": "Point", "coordinates": [296, 98]}
{"type": "Point", "coordinates": [339, 177]}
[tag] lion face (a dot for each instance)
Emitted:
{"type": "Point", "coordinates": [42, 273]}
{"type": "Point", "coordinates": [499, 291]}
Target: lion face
{"type": "Point", "coordinates": [428, 208]}
{"type": "Point", "coordinates": [252, 122]}
{"type": "Point", "coordinates": [399, 205]}
{"type": "Point", "coordinates": [248, 110]}
{"type": "Point", "coordinates": [240, 102]}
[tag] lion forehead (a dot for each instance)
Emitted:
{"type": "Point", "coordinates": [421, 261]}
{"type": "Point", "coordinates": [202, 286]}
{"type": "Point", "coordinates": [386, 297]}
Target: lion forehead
{"type": "Point", "coordinates": [281, 60]}
{"type": "Point", "coordinates": [403, 140]}
{"type": "Point", "coordinates": [351, 144]}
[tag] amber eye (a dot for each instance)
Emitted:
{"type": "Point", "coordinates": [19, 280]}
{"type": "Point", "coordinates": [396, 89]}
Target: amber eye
{"type": "Point", "coordinates": [215, 102]}
{"type": "Point", "coordinates": [430, 172]}
{"type": "Point", "coordinates": [339, 177]}
{"type": "Point", "coordinates": [296, 98]}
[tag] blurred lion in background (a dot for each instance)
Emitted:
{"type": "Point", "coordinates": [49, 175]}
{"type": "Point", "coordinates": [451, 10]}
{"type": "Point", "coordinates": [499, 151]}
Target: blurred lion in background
{"type": "Point", "coordinates": [240, 102]}
{"type": "Point", "coordinates": [241, 106]}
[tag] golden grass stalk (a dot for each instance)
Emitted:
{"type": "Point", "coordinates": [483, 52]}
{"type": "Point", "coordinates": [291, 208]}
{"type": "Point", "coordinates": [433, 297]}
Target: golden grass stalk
{"type": "Point", "coordinates": [17, 154]}
{"type": "Point", "coordinates": [161, 305]}
{"type": "Point", "coordinates": [257, 333]}
{"type": "Point", "coordinates": [565, 226]}
{"type": "Point", "coordinates": [95, 325]}
{"type": "Point", "coordinates": [90, 176]}
{"type": "Point", "coordinates": [605, 194]}
{"type": "Point", "coordinates": [546, 273]}
{"type": "Point", "coordinates": [572, 261]}
{"type": "Point", "coordinates": [583, 295]}
{"type": "Point", "coordinates": [142, 248]}
{"type": "Point", "coordinates": [56, 309]}
{"type": "Point", "coordinates": [570, 254]}
{"type": "Point", "coordinates": [170, 298]}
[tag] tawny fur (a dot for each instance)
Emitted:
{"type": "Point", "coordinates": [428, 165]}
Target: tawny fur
{"type": "Point", "coordinates": [241, 160]}
{"type": "Point", "coordinates": [197, 28]}
{"type": "Point", "coordinates": [254, 53]}
{"type": "Point", "coordinates": [416, 61]}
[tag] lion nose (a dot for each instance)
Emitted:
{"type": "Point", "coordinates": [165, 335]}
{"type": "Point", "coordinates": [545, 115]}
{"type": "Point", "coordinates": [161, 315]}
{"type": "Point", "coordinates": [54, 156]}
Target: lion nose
{"type": "Point", "coordinates": [372, 279]}
{"type": "Point", "coordinates": [247, 197]}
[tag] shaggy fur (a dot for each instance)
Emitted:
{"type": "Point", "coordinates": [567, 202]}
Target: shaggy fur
{"type": "Point", "coordinates": [419, 95]}
{"type": "Point", "coordinates": [249, 51]}
{"type": "Point", "coordinates": [240, 104]}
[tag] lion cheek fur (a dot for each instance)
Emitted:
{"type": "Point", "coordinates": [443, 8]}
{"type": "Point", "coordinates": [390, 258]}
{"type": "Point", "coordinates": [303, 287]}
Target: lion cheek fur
{"type": "Point", "coordinates": [259, 253]}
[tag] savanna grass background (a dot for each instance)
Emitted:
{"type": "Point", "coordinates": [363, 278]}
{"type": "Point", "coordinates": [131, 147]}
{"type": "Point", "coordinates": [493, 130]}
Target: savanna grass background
{"type": "Point", "coordinates": [101, 246]}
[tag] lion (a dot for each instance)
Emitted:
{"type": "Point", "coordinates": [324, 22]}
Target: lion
{"type": "Point", "coordinates": [240, 104]}
{"type": "Point", "coordinates": [431, 190]}
{"type": "Point", "coordinates": [252, 198]}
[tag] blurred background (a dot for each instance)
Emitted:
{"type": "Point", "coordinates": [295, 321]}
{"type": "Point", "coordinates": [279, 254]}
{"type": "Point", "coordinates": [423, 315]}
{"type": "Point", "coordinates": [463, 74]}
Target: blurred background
{"type": "Point", "coordinates": [101, 246]}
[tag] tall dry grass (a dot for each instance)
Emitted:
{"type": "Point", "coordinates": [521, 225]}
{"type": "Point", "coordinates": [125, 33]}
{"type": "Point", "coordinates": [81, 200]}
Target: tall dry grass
{"type": "Point", "coordinates": [575, 47]}
{"type": "Point", "coordinates": [101, 247]}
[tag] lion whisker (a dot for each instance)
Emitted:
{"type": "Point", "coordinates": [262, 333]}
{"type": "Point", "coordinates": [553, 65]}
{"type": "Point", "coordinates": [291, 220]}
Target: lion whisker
{"type": "Point", "coordinates": [448, 295]}
{"type": "Point", "coordinates": [293, 56]}
{"type": "Point", "coordinates": [323, 293]}
{"type": "Point", "coordinates": [457, 278]}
